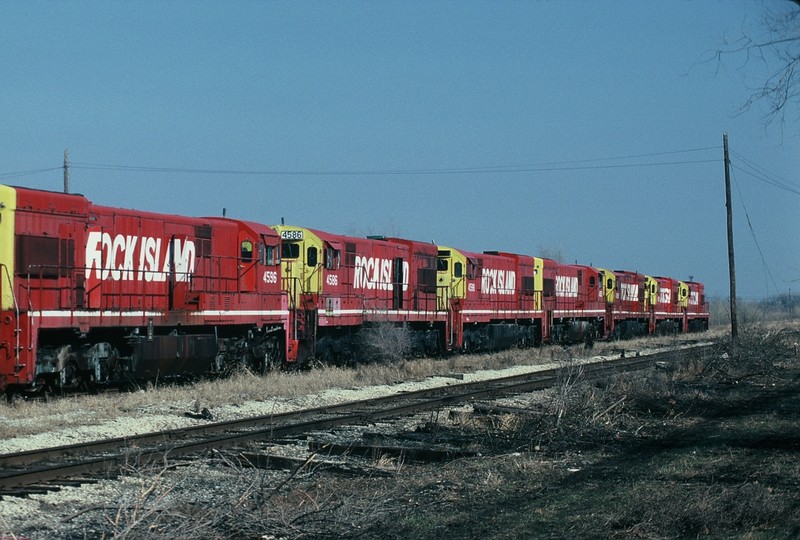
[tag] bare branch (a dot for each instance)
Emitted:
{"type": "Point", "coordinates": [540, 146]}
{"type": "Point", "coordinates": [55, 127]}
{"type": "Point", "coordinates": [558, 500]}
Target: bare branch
{"type": "Point", "coordinates": [779, 47]}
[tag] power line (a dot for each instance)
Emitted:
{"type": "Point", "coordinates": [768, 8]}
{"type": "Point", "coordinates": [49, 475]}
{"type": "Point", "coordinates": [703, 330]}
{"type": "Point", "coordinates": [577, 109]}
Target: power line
{"type": "Point", "coordinates": [767, 271]}
{"type": "Point", "coordinates": [760, 173]}
{"type": "Point", "coordinates": [767, 180]}
{"type": "Point", "coordinates": [6, 176]}
{"type": "Point", "coordinates": [510, 169]}
{"type": "Point", "coordinates": [589, 160]}
{"type": "Point", "coordinates": [552, 166]}
{"type": "Point", "coordinates": [765, 171]}
{"type": "Point", "coordinates": [500, 169]}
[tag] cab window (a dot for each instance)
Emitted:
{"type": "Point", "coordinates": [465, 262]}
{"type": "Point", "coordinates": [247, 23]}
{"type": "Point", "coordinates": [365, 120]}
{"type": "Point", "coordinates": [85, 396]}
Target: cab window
{"type": "Point", "coordinates": [311, 256]}
{"type": "Point", "coordinates": [247, 251]}
{"type": "Point", "coordinates": [290, 250]}
{"type": "Point", "coordinates": [458, 269]}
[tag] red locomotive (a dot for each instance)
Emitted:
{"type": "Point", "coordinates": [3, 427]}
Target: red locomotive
{"type": "Point", "coordinates": [575, 302]}
{"type": "Point", "coordinates": [92, 294]}
{"type": "Point", "coordinates": [98, 295]}
{"type": "Point", "coordinates": [338, 284]}
{"type": "Point", "coordinates": [491, 299]}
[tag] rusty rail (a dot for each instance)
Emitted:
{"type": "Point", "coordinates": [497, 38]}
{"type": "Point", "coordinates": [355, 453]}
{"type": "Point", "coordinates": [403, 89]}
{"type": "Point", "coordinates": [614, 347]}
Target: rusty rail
{"type": "Point", "coordinates": [153, 447]}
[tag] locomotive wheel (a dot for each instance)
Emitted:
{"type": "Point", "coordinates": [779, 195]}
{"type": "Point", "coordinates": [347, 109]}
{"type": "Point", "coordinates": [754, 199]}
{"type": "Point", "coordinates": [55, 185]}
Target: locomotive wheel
{"type": "Point", "coordinates": [434, 349]}
{"type": "Point", "coordinates": [327, 357]}
{"type": "Point", "coordinates": [273, 361]}
{"type": "Point", "coordinates": [251, 364]}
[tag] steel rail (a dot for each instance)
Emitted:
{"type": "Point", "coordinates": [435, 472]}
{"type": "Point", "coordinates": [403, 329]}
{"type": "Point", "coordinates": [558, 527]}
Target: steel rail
{"type": "Point", "coordinates": [149, 448]}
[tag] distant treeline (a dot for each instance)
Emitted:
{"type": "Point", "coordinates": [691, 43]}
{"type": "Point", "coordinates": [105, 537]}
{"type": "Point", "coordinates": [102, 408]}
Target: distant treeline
{"type": "Point", "coordinates": [779, 307]}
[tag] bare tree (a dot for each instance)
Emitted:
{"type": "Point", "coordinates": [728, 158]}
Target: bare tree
{"type": "Point", "coordinates": [552, 252]}
{"type": "Point", "coordinates": [779, 50]}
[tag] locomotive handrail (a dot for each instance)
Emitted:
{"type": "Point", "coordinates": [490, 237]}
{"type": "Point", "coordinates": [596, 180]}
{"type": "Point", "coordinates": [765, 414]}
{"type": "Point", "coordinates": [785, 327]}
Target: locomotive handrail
{"type": "Point", "coordinates": [10, 287]}
{"type": "Point", "coordinates": [317, 271]}
{"type": "Point", "coordinates": [16, 310]}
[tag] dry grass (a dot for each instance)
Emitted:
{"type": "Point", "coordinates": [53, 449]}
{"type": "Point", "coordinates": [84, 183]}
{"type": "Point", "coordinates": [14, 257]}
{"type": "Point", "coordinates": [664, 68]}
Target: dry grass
{"type": "Point", "coordinates": [384, 342]}
{"type": "Point", "coordinates": [218, 498]}
{"type": "Point", "coordinates": [29, 417]}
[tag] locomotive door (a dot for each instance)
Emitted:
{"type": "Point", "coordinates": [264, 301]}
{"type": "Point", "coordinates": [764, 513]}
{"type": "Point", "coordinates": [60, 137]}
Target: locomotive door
{"type": "Point", "coordinates": [594, 295]}
{"type": "Point", "coordinates": [538, 282]}
{"type": "Point", "coordinates": [444, 279]}
{"type": "Point", "coordinates": [397, 283]}
{"type": "Point", "coordinates": [67, 273]}
{"type": "Point", "coordinates": [247, 263]}
{"type": "Point", "coordinates": [181, 255]}
{"type": "Point", "coordinates": [650, 302]}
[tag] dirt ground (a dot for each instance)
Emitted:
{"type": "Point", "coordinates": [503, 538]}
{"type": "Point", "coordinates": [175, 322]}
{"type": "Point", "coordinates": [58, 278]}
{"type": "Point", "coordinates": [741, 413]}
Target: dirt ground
{"type": "Point", "coordinates": [704, 451]}
{"type": "Point", "coordinates": [730, 469]}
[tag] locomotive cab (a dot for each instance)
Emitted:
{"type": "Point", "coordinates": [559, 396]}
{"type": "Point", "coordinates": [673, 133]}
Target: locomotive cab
{"type": "Point", "coordinates": [450, 277]}
{"type": "Point", "coordinates": [608, 291]}
{"type": "Point", "coordinates": [304, 255]}
{"type": "Point", "coordinates": [683, 295]}
{"type": "Point", "coordinates": [650, 292]}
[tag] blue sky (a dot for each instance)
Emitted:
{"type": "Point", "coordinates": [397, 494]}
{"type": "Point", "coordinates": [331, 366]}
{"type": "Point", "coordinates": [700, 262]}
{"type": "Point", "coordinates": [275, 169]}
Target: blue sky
{"type": "Point", "coordinates": [480, 125]}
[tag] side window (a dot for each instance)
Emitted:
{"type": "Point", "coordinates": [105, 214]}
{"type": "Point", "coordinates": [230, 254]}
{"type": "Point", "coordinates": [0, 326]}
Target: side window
{"type": "Point", "coordinates": [332, 258]}
{"type": "Point", "coordinates": [458, 269]}
{"type": "Point", "coordinates": [311, 256]}
{"type": "Point", "coordinates": [247, 251]}
{"type": "Point", "coordinates": [472, 270]}
{"type": "Point", "coordinates": [528, 286]}
{"type": "Point", "coordinates": [591, 281]}
{"type": "Point", "coordinates": [269, 256]}
{"type": "Point", "coordinates": [39, 256]}
{"type": "Point", "coordinates": [549, 287]}
{"type": "Point", "coordinates": [610, 284]}
{"type": "Point", "coordinates": [350, 254]}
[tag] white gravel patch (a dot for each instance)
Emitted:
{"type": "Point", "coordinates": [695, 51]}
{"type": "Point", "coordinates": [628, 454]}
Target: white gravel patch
{"type": "Point", "coordinates": [144, 421]}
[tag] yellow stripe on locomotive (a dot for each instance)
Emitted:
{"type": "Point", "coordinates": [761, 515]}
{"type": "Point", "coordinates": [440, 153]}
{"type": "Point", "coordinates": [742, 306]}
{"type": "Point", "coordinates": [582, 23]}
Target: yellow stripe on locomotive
{"type": "Point", "coordinates": [8, 206]}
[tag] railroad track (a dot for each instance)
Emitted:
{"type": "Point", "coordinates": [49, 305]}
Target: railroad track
{"type": "Point", "coordinates": [47, 469]}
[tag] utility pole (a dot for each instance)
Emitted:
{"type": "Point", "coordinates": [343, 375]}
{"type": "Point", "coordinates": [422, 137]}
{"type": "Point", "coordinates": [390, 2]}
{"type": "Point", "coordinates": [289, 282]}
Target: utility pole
{"type": "Point", "coordinates": [731, 267]}
{"type": "Point", "coordinates": [66, 171]}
